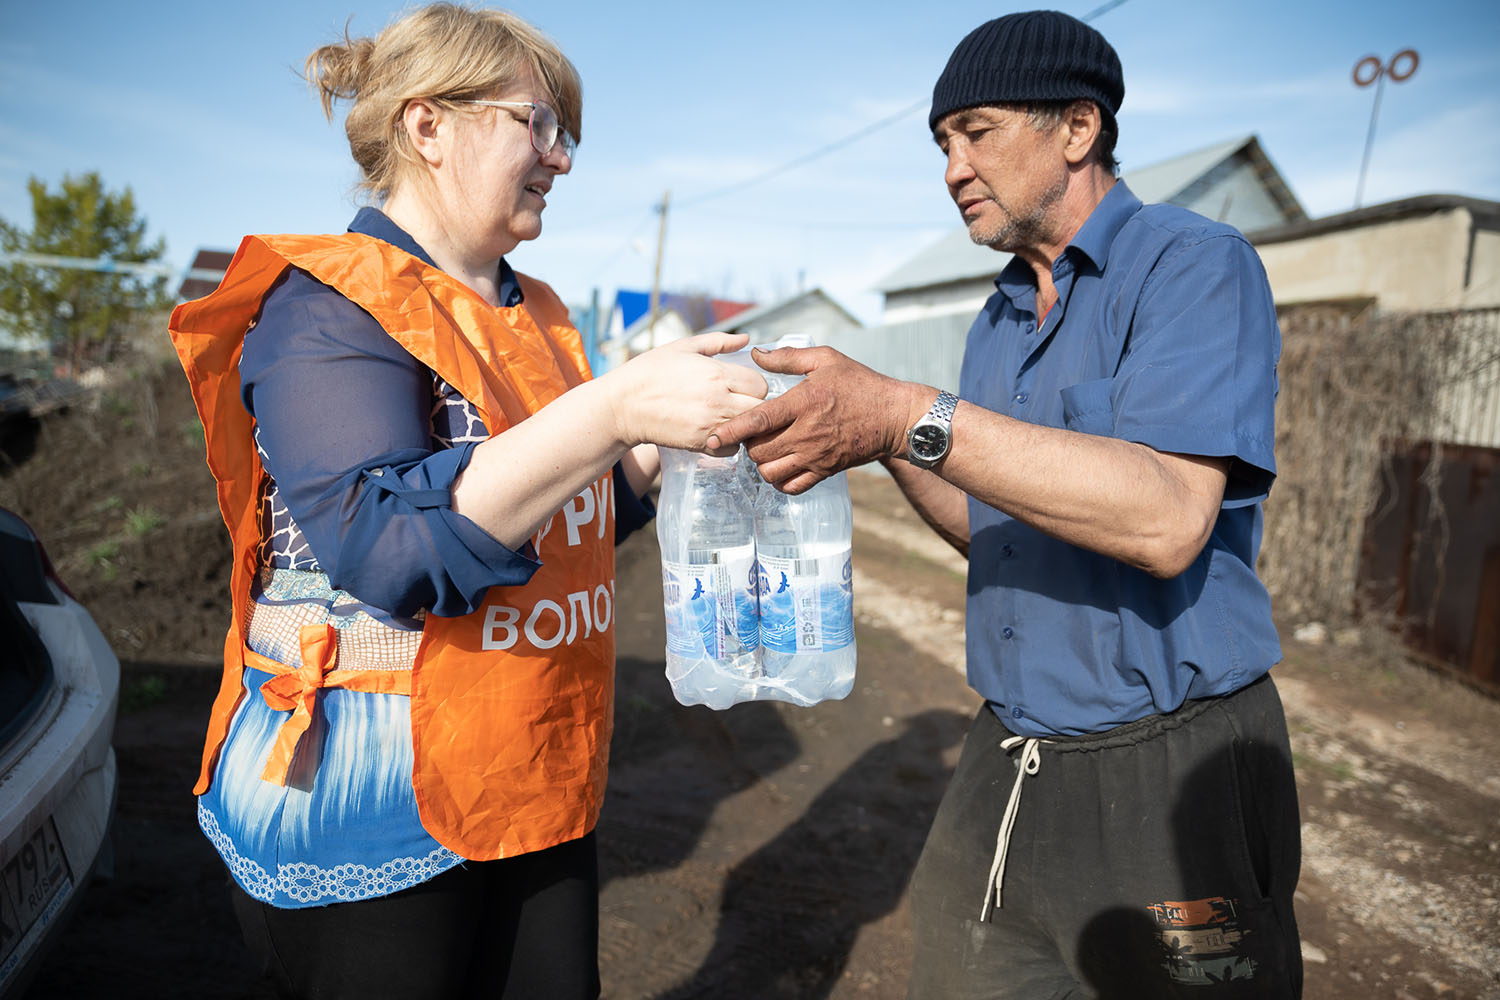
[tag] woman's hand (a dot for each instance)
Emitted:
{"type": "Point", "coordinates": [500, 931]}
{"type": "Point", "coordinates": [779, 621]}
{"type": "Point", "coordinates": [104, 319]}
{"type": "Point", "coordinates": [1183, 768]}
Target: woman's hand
{"type": "Point", "coordinates": [674, 395]}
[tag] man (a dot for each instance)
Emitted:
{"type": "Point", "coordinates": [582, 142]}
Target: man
{"type": "Point", "coordinates": [1103, 468]}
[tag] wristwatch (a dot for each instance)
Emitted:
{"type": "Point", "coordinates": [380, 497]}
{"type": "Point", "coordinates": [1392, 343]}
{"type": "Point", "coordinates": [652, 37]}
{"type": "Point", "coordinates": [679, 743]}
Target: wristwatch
{"type": "Point", "coordinates": [928, 440]}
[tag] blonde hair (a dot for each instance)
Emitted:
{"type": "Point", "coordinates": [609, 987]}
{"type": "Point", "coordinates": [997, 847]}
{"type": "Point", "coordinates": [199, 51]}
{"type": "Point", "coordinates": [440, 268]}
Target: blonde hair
{"type": "Point", "coordinates": [439, 52]}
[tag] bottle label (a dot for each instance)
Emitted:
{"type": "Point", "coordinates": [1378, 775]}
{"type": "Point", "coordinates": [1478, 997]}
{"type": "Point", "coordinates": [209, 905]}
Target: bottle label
{"type": "Point", "coordinates": [807, 605]}
{"type": "Point", "coordinates": [710, 604]}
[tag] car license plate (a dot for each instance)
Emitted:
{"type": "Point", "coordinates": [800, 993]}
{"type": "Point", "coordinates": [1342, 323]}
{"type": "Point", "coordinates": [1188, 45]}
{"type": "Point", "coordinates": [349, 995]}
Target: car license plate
{"type": "Point", "coordinates": [34, 883]}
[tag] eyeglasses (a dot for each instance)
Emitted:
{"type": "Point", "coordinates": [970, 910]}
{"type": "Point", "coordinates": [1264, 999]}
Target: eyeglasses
{"type": "Point", "coordinates": [541, 124]}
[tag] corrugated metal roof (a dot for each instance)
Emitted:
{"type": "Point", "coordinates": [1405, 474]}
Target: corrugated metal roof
{"type": "Point", "coordinates": [760, 313]}
{"type": "Point", "coordinates": [955, 257]}
{"type": "Point", "coordinates": [1158, 182]}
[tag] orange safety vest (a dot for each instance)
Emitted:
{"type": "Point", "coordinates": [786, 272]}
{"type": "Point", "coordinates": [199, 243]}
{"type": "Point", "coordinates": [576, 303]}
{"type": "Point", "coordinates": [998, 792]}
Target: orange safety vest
{"type": "Point", "coordinates": [512, 705]}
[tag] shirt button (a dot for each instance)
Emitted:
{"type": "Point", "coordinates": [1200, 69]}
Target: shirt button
{"type": "Point", "coordinates": [1007, 550]}
{"type": "Point", "coordinates": [1021, 397]}
{"type": "Point", "coordinates": [1008, 632]}
{"type": "Point", "coordinates": [1015, 713]}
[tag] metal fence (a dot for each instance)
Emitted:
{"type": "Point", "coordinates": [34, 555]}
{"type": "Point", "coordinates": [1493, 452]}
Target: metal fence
{"type": "Point", "coordinates": [929, 351]}
{"type": "Point", "coordinates": [1469, 402]}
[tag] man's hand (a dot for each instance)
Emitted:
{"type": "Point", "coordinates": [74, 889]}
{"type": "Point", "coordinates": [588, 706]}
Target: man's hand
{"type": "Point", "coordinates": [840, 415]}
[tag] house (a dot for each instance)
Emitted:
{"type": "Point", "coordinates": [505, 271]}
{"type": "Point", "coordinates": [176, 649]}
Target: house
{"type": "Point", "coordinates": [670, 324]}
{"type": "Point", "coordinates": [1427, 269]}
{"type": "Point", "coordinates": [812, 313]}
{"type": "Point", "coordinates": [694, 311]}
{"type": "Point", "coordinates": [1437, 251]}
{"type": "Point", "coordinates": [204, 273]}
{"type": "Point", "coordinates": [1233, 181]}
{"type": "Point", "coordinates": [630, 329]}
{"type": "Point", "coordinates": [931, 300]}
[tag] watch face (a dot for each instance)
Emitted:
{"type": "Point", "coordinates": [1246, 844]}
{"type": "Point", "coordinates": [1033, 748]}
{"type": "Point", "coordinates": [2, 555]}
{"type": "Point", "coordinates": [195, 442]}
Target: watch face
{"type": "Point", "coordinates": [928, 441]}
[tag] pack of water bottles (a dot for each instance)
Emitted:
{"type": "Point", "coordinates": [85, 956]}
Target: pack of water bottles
{"type": "Point", "coordinates": [757, 586]}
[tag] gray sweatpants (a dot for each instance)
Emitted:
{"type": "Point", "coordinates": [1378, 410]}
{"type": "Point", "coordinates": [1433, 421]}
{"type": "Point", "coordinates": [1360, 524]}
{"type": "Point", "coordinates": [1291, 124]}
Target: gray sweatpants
{"type": "Point", "coordinates": [1155, 860]}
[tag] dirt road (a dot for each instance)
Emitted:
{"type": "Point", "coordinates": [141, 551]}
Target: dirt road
{"type": "Point", "coordinates": [761, 852]}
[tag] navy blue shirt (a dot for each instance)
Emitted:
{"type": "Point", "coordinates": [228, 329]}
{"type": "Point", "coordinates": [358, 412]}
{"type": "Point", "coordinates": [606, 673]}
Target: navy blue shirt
{"type": "Point", "coordinates": [344, 419]}
{"type": "Point", "coordinates": [1164, 333]}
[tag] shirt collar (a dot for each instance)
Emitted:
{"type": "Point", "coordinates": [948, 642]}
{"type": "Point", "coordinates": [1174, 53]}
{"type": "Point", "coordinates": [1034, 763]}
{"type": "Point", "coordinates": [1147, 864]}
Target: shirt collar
{"type": "Point", "coordinates": [1104, 224]}
{"type": "Point", "coordinates": [373, 222]}
{"type": "Point", "coordinates": [1092, 241]}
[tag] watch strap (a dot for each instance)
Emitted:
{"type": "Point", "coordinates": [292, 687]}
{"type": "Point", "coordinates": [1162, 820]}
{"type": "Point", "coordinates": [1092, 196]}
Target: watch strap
{"type": "Point", "coordinates": [939, 415]}
{"type": "Point", "coordinates": [943, 408]}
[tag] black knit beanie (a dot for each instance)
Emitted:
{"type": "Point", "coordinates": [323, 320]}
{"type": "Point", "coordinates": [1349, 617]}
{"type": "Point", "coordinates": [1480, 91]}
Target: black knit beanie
{"type": "Point", "coordinates": [1035, 55]}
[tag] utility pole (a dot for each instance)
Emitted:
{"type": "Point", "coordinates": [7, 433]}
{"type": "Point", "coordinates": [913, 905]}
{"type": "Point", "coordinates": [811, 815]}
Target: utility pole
{"type": "Point", "coordinates": [661, 242]}
{"type": "Point", "coordinates": [591, 349]}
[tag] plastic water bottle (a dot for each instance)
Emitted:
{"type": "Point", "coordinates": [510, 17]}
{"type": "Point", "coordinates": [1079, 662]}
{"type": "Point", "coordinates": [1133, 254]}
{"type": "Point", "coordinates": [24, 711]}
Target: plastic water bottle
{"type": "Point", "coordinates": [757, 586]}
{"type": "Point", "coordinates": [806, 591]}
{"type": "Point", "coordinates": [705, 523]}
{"type": "Point", "coordinates": [806, 580]}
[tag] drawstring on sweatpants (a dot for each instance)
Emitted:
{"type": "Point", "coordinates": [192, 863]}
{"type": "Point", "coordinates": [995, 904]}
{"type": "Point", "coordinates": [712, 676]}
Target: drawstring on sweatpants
{"type": "Point", "coordinates": [1029, 762]}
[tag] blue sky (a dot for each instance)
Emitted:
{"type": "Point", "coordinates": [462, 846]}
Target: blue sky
{"type": "Point", "coordinates": [199, 109]}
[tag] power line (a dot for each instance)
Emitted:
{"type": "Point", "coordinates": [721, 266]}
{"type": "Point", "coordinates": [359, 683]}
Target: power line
{"type": "Point", "coordinates": [615, 255]}
{"type": "Point", "coordinates": [798, 223]}
{"type": "Point", "coordinates": [806, 158]}
{"type": "Point", "coordinates": [846, 140]}
{"type": "Point", "coordinates": [819, 152]}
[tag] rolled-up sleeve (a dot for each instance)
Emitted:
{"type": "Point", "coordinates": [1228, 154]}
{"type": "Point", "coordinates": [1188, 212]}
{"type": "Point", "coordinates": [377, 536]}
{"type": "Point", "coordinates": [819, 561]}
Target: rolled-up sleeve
{"type": "Point", "coordinates": [343, 422]}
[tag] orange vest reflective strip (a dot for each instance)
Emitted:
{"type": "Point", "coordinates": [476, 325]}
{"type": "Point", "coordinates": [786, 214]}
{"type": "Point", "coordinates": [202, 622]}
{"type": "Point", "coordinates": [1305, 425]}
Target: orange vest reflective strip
{"type": "Point", "coordinates": [295, 690]}
{"type": "Point", "coordinates": [511, 705]}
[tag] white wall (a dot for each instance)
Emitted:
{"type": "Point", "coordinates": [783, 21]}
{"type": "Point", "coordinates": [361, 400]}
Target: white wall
{"type": "Point", "coordinates": [813, 316]}
{"type": "Point", "coordinates": [1412, 264]}
{"type": "Point", "coordinates": [966, 297]}
{"type": "Point", "coordinates": [669, 327]}
{"type": "Point", "coordinates": [1239, 198]}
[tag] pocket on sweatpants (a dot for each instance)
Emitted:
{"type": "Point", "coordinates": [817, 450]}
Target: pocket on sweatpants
{"type": "Point", "coordinates": [1255, 821]}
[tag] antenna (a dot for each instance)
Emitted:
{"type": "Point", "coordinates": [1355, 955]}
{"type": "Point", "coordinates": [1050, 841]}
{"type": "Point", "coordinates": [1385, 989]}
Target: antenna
{"type": "Point", "coordinates": [1371, 70]}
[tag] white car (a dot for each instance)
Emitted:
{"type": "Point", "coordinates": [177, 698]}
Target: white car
{"type": "Point", "coordinates": [59, 689]}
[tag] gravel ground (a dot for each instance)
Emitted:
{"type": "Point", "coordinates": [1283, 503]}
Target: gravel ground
{"type": "Point", "coordinates": [764, 851]}
{"type": "Point", "coordinates": [1398, 783]}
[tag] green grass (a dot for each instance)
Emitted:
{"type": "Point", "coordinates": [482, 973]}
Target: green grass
{"type": "Point", "coordinates": [101, 559]}
{"type": "Point", "coordinates": [142, 521]}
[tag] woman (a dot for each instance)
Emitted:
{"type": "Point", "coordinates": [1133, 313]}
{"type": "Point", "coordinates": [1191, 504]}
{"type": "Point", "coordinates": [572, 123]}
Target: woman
{"type": "Point", "coordinates": [423, 488]}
